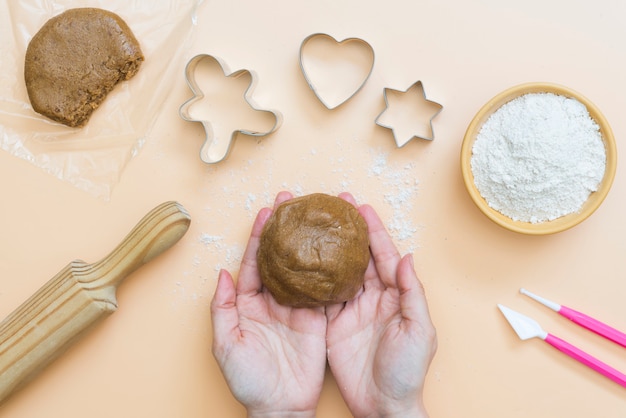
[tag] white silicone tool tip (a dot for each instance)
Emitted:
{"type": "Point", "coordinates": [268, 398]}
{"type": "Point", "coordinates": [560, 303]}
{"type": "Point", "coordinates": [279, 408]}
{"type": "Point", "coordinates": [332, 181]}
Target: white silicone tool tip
{"type": "Point", "coordinates": [523, 326]}
{"type": "Point", "coordinates": [552, 305]}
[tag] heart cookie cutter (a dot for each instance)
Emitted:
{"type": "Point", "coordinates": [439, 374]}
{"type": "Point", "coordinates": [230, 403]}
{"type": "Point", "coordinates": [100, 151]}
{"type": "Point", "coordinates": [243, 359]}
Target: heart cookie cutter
{"type": "Point", "coordinates": [335, 70]}
{"type": "Point", "coordinates": [417, 94]}
{"type": "Point", "coordinates": [215, 147]}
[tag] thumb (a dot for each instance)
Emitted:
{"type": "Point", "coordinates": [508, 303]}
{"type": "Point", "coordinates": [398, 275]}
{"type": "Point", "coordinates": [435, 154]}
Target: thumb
{"type": "Point", "coordinates": [413, 304]}
{"type": "Point", "coordinates": [224, 314]}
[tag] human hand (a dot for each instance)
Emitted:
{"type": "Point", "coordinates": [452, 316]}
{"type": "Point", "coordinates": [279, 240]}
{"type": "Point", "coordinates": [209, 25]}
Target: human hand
{"type": "Point", "coordinates": [273, 357]}
{"type": "Point", "coordinates": [381, 343]}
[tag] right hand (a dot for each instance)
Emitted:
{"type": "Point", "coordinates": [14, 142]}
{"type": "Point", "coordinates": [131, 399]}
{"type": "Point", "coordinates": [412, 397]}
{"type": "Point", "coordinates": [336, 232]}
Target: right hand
{"type": "Point", "coordinates": [380, 344]}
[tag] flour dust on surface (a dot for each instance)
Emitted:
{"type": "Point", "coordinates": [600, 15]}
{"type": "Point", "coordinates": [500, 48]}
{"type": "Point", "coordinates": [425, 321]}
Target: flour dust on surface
{"type": "Point", "coordinates": [371, 175]}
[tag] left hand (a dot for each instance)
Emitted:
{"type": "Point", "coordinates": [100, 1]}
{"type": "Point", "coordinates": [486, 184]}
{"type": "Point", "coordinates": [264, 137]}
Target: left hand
{"type": "Point", "coordinates": [273, 357]}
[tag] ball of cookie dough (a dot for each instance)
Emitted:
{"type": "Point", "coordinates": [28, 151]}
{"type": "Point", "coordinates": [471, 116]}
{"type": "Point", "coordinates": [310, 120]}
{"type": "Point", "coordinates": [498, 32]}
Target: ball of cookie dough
{"type": "Point", "coordinates": [314, 251]}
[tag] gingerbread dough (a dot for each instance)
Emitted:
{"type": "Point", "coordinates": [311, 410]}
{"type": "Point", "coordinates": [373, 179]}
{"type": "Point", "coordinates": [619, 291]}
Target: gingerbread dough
{"type": "Point", "coordinates": [314, 251]}
{"type": "Point", "coordinates": [75, 60]}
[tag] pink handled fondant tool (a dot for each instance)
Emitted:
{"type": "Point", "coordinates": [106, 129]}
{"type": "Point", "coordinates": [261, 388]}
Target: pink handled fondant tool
{"type": "Point", "coordinates": [581, 319]}
{"type": "Point", "coordinates": [526, 328]}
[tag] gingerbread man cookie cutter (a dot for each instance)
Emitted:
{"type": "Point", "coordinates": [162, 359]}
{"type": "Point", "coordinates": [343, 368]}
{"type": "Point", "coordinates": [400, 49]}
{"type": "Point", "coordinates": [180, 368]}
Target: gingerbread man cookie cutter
{"type": "Point", "coordinates": [217, 147]}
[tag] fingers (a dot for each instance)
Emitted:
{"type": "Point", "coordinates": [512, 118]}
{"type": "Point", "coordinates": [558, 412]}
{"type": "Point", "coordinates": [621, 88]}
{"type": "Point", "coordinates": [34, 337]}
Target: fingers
{"type": "Point", "coordinates": [372, 277]}
{"type": "Point", "coordinates": [249, 281]}
{"type": "Point", "coordinates": [348, 198]}
{"type": "Point", "coordinates": [282, 197]}
{"type": "Point", "coordinates": [225, 296]}
{"type": "Point", "coordinates": [224, 315]}
{"type": "Point", "coordinates": [413, 304]}
{"type": "Point", "coordinates": [384, 253]}
{"type": "Point", "coordinates": [224, 312]}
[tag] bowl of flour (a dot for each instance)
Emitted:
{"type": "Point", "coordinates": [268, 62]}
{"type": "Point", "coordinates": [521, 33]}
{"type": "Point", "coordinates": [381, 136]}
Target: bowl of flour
{"type": "Point", "coordinates": [538, 158]}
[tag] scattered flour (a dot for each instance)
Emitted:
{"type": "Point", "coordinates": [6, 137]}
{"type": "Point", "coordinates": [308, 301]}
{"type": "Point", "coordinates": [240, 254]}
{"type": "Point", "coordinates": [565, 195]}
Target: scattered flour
{"type": "Point", "coordinates": [538, 157]}
{"type": "Point", "coordinates": [229, 253]}
{"type": "Point", "coordinates": [369, 174]}
{"type": "Point", "coordinates": [400, 187]}
{"type": "Point", "coordinates": [395, 184]}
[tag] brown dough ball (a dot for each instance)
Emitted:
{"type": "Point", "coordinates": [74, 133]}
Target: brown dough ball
{"type": "Point", "coordinates": [314, 251]}
{"type": "Point", "coordinates": [75, 60]}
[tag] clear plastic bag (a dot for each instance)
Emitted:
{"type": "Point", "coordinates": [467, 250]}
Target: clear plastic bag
{"type": "Point", "coordinates": [93, 157]}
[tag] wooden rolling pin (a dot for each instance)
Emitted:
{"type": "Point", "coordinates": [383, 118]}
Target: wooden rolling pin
{"type": "Point", "coordinates": [81, 294]}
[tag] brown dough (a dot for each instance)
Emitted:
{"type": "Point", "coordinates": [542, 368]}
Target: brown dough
{"type": "Point", "coordinates": [75, 60]}
{"type": "Point", "coordinates": [314, 251]}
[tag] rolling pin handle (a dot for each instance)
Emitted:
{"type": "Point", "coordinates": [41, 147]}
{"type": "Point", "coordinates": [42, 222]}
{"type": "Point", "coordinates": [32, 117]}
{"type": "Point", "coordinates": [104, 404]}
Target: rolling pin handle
{"type": "Point", "coordinates": [159, 230]}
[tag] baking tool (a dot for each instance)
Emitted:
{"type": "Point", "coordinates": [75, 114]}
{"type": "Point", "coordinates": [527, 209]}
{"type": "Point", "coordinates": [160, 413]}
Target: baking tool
{"type": "Point", "coordinates": [581, 319]}
{"type": "Point", "coordinates": [335, 71]}
{"type": "Point", "coordinates": [526, 328]}
{"type": "Point", "coordinates": [402, 123]}
{"type": "Point", "coordinates": [565, 222]}
{"type": "Point", "coordinates": [217, 145]}
{"type": "Point", "coordinates": [80, 295]}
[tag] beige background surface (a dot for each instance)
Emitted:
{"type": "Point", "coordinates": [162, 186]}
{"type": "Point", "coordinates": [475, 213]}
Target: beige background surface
{"type": "Point", "coordinates": [152, 357]}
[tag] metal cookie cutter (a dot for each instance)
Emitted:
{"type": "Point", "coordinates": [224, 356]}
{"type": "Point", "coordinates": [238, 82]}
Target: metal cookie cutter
{"type": "Point", "coordinates": [214, 150]}
{"type": "Point", "coordinates": [334, 70]}
{"type": "Point", "coordinates": [393, 111]}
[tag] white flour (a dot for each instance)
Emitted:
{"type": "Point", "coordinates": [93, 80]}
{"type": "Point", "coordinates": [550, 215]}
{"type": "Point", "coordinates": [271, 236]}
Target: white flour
{"type": "Point", "coordinates": [400, 187]}
{"type": "Point", "coordinates": [538, 157]}
{"type": "Point", "coordinates": [371, 175]}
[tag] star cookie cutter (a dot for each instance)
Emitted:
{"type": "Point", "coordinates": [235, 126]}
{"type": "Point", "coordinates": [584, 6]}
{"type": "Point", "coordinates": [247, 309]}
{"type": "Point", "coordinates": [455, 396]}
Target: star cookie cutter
{"type": "Point", "coordinates": [335, 70]}
{"type": "Point", "coordinates": [415, 91]}
{"type": "Point", "coordinates": [215, 147]}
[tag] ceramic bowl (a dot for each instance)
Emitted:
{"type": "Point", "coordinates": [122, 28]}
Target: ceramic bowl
{"type": "Point", "coordinates": [564, 222]}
